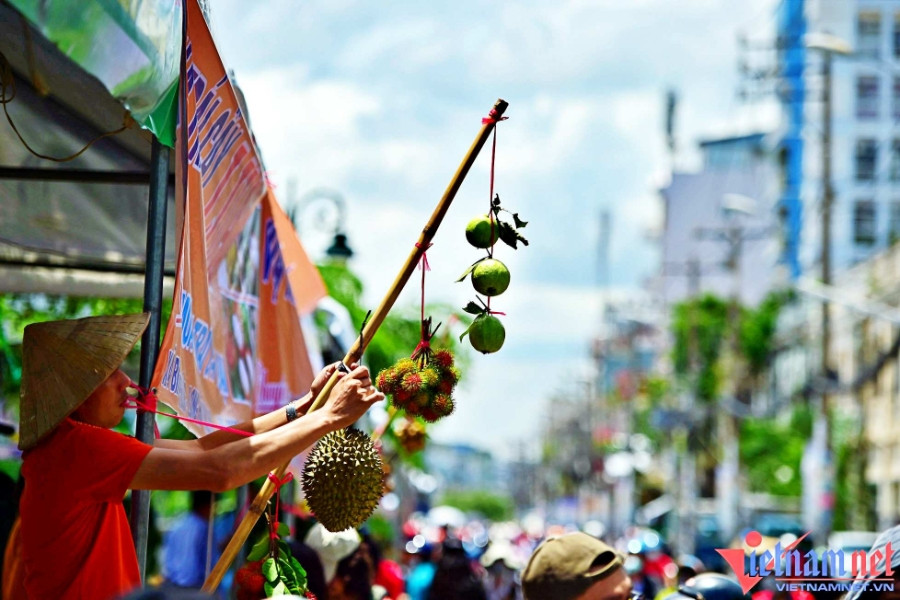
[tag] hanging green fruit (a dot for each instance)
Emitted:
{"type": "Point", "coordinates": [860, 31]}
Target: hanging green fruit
{"type": "Point", "coordinates": [482, 232]}
{"type": "Point", "coordinates": [486, 333]}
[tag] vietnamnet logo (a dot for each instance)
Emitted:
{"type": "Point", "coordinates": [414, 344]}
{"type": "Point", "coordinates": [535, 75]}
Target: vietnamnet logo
{"type": "Point", "coordinates": [794, 570]}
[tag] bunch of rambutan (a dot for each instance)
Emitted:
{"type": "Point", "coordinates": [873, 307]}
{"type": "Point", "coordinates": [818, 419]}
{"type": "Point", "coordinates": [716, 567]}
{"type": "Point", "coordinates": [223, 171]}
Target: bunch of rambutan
{"type": "Point", "coordinates": [250, 581]}
{"type": "Point", "coordinates": [411, 435]}
{"type": "Point", "coordinates": [422, 385]}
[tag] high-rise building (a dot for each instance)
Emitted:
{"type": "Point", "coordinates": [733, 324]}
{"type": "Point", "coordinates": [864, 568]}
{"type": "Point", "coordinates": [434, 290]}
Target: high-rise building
{"type": "Point", "coordinates": [865, 143]}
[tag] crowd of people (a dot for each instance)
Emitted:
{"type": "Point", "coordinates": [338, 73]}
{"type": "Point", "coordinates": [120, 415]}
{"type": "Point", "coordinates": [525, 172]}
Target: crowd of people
{"type": "Point", "coordinates": [72, 539]}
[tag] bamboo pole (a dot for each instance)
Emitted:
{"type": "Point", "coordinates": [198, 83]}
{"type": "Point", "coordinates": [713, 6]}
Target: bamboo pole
{"type": "Point", "coordinates": [353, 355]}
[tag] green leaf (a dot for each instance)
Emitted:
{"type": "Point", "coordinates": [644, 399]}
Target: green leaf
{"type": "Point", "coordinates": [519, 222]}
{"type": "Point", "coordinates": [510, 235]}
{"type": "Point", "coordinates": [270, 570]}
{"type": "Point", "coordinates": [259, 549]}
{"type": "Point", "coordinates": [496, 200]}
{"type": "Point", "coordinates": [464, 333]}
{"type": "Point", "coordinates": [284, 530]}
{"type": "Point", "coordinates": [469, 270]}
{"type": "Point", "coordinates": [280, 589]}
{"type": "Point", "coordinates": [268, 589]}
{"type": "Point", "coordinates": [473, 309]}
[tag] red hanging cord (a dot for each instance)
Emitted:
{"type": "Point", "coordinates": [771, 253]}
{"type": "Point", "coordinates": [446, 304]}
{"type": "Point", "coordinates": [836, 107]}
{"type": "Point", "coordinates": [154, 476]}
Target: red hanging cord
{"type": "Point", "coordinates": [273, 524]}
{"type": "Point", "coordinates": [492, 118]}
{"type": "Point", "coordinates": [424, 266]}
{"type": "Point", "coordinates": [147, 401]}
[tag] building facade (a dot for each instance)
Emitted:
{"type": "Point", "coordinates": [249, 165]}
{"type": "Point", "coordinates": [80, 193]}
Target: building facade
{"type": "Point", "coordinates": [720, 233]}
{"type": "Point", "coordinates": [865, 143]}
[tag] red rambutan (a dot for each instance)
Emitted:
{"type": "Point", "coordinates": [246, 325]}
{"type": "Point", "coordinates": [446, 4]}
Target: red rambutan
{"type": "Point", "coordinates": [412, 382]}
{"type": "Point", "coordinates": [443, 358]}
{"type": "Point", "coordinates": [443, 405]}
{"type": "Point", "coordinates": [430, 415]}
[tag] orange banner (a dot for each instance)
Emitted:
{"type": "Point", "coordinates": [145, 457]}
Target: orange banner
{"type": "Point", "coordinates": [234, 347]}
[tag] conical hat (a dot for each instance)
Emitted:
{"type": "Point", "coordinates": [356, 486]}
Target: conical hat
{"type": "Point", "coordinates": [63, 362]}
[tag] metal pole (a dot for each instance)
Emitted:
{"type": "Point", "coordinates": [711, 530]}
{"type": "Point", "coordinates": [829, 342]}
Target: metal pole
{"type": "Point", "coordinates": [827, 202]}
{"type": "Point", "coordinates": [153, 287]}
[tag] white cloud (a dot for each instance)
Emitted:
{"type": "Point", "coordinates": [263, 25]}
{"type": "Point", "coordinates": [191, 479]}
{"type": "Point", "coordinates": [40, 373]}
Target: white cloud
{"type": "Point", "coordinates": [381, 100]}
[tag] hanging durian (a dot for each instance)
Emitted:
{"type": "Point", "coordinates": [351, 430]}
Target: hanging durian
{"type": "Point", "coordinates": [342, 479]}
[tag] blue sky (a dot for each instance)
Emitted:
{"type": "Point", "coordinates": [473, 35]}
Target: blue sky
{"type": "Point", "coordinates": [381, 101]}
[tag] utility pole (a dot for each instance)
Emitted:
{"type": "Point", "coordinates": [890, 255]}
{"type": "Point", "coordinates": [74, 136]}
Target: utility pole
{"type": "Point", "coordinates": [827, 45]}
{"type": "Point", "coordinates": [827, 513]}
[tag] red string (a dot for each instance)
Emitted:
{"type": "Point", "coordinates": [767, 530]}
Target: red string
{"type": "Point", "coordinates": [273, 531]}
{"type": "Point", "coordinates": [424, 266]}
{"type": "Point", "coordinates": [147, 400]}
{"type": "Point", "coordinates": [422, 345]}
{"type": "Point", "coordinates": [492, 118]}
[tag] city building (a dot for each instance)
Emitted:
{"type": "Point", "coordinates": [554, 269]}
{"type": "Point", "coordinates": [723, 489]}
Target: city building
{"type": "Point", "coordinates": [864, 145]}
{"type": "Point", "coordinates": [864, 390]}
{"type": "Point", "coordinates": [720, 233]}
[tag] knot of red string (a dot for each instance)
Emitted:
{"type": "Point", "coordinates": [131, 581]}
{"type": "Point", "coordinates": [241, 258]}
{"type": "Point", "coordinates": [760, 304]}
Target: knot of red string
{"type": "Point", "coordinates": [273, 532]}
{"type": "Point", "coordinates": [423, 344]}
{"type": "Point", "coordinates": [492, 117]}
{"type": "Point", "coordinates": [146, 401]}
{"type": "Point", "coordinates": [423, 264]}
{"type": "Point", "coordinates": [496, 312]}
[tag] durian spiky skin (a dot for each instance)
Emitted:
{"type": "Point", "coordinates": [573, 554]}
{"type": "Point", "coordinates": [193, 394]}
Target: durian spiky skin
{"type": "Point", "coordinates": [343, 479]}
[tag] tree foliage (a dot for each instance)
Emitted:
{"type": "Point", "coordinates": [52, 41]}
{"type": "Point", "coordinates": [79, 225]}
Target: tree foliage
{"type": "Point", "coordinates": [775, 472]}
{"type": "Point", "coordinates": [493, 506]}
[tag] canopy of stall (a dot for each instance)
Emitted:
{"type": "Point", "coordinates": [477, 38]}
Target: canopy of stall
{"type": "Point", "coordinates": [88, 215]}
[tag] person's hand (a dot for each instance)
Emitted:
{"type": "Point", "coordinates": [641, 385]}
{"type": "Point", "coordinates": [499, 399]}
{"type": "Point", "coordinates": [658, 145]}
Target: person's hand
{"type": "Point", "coordinates": [352, 397]}
{"type": "Point", "coordinates": [323, 377]}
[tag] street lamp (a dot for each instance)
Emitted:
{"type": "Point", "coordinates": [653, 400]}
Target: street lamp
{"type": "Point", "coordinates": [331, 216]}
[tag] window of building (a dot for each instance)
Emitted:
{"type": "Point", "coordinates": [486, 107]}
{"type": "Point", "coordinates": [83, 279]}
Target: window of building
{"type": "Point", "coordinates": [867, 97]}
{"type": "Point", "coordinates": [864, 222]}
{"type": "Point", "coordinates": [895, 99]}
{"type": "Point", "coordinates": [894, 233]}
{"type": "Point", "coordinates": [895, 161]}
{"type": "Point", "coordinates": [896, 40]}
{"type": "Point", "coordinates": [868, 35]}
{"type": "Point", "coordinates": [866, 159]}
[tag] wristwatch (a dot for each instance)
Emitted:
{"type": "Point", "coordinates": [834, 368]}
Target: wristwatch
{"type": "Point", "coordinates": [290, 411]}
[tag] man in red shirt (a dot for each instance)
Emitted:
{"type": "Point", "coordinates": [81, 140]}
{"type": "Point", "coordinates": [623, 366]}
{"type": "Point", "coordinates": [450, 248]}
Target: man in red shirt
{"type": "Point", "coordinates": [76, 542]}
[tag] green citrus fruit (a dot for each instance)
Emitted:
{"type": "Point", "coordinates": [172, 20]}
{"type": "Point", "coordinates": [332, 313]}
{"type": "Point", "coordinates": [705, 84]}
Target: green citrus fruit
{"type": "Point", "coordinates": [490, 277]}
{"type": "Point", "coordinates": [487, 334]}
{"type": "Point", "coordinates": [478, 232]}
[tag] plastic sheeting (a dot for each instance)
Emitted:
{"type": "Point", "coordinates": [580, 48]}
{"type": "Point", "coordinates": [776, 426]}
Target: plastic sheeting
{"type": "Point", "coordinates": [132, 46]}
{"type": "Point", "coordinates": [87, 226]}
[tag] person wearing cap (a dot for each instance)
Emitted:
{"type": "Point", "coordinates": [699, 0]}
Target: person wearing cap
{"type": "Point", "coordinates": [575, 566]}
{"type": "Point", "coordinates": [887, 542]}
{"type": "Point", "coordinates": [76, 541]}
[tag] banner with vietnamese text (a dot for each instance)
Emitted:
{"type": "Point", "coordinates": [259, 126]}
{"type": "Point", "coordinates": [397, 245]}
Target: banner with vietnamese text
{"type": "Point", "coordinates": [234, 347]}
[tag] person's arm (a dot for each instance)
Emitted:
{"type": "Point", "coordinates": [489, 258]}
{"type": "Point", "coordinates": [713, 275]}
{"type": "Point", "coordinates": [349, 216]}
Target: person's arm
{"type": "Point", "coordinates": [261, 424]}
{"type": "Point", "coordinates": [232, 464]}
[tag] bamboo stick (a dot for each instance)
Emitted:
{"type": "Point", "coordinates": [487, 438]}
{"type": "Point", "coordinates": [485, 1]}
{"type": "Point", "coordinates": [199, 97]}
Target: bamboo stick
{"type": "Point", "coordinates": [353, 355]}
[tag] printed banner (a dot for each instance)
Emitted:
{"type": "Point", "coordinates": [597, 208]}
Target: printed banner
{"type": "Point", "coordinates": [234, 347]}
